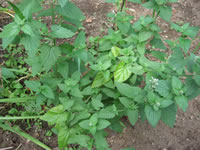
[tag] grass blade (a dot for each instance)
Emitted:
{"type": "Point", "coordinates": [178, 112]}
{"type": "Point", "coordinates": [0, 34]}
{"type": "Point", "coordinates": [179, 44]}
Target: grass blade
{"type": "Point", "coordinates": [16, 100]}
{"type": "Point", "coordinates": [18, 131]}
{"type": "Point", "coordinates": [18, 117]}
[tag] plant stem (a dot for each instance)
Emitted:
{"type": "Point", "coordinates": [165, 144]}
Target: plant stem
{"type": "Point", "coordinates": [19, 117]}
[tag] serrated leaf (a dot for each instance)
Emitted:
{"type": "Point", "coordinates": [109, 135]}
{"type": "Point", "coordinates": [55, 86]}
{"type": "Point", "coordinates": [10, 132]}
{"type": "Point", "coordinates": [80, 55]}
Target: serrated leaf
{"type": "Point", "coordinates": [27, 29]}
{"type": "Point", "coordinates": [47, 91]}
{"type": "Point", "coordinates": [191, 32]}
{"type": "Point", "coordinates": [125, 101]}
{"type": "Point", "coordinates": [80, 139]}
{"type": "Point", "coordinates": [149, 5]}
{"type": "Point", "coordinates": [33, 85]}
{"type": "Point", "coordinates": [197, 79]}
{"type": "Point", "coordinates": [49, 56]}
{"type": "Point", "coordinates": [17, 10]}
{"type": "Point", "coordinates": [165, 13]}
{"type": "Point", "coordinates": [102, 124]}
{"type": "Point", "coordinates": [100, 141]}
{"type": "Point", "coordinates": [63, 137]}
{"type": "Point", "coordinates": [96, 102]}
{"type": "Point", "coordinates": [157, 43]}
{"type": "Point", "coordinates": [137, 69]}
{"type": "Point", "coordinates": [144, 35]}
{"type": "Point", "coordinates": [127, 90]}
{"type": "Point", "coordinates": [152, 115]}
{"type": "Point", "coordinates": [176, 83]}
{"type": "Point", "coordinates": [80, 40]}
{"type": "Point", "coordinates": [163, 88]}
{"type": "Point", "coordinates": [63, 69]}
{"type": "Point", "coordinates": [182, 102]}
{"type": "Point", "coordinates": [62, 3]}
{"type": "Point", "coordinates": [67, 103]}
{"type": "Point", "coordinates": [100, 79]}
{"type": "Point", "coordinates": [6, 73]}
{"type": "Point", "coordinates": [10, 30]}
{"type": "Point", "coordinates": [115, 51]}
{"type": "Point", "coordinates": [165, 103]}
{"type": "Point", "coordinates": [132, 116]}
{"type": "Point", "coordinates": [71, 10]}
{"type": "Point", "coordinates": [31, 44]}
{"type": "Point", "coordinates": [169, 115]}
{"type": "Point", "coordinates": [60, 32]}
{"type": "Point", "coordinates": [136, 1]}
{"type": "Point", "coordinates": [105, 114]}
{"type": "Point", "coordinates": [122, 72]}
{"type": "Point", "coordinates": [177, 60]}
{"type": "Point", "coordinates": [185, 44]}
{"type": "Point", "coordinates": [29, 7]}
{"type": "Point", "coordinates": [55, 115]}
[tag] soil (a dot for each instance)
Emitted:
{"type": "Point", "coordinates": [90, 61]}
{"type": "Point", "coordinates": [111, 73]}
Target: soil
{"type": "Point", "coordinates": [186, 133]}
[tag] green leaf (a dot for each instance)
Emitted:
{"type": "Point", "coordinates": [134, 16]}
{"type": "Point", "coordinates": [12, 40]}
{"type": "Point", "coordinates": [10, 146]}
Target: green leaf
{"type": "Point", "coordinates": [60, 32]}
{"type": "Point", "coordinates": [63, 69]}
{"type": "Point", "coordinates": [149, 5]}
{"type": "Point", "coordinates": [176, 83]}
{"type": "Point", "coordinates": [29, 7]}
{"type": "Point", "coordinates": [122, 72]}
{"type": "Point", "coordinates": [177, 60]}
{"type": "Point", "coordinates": [159, 55]}
{"type": "Point", "coordinates": [125, 101]}
{"type": "Point", "coordinates": [85, 124]}
{"type": "Point", "coordinates": [132, 116]}
{"type": "Point", "coordinates": [137, 69]}
{"type": "Point", "coordinates": [185, 44]}
{"type": "Point", "coordinates": [33, 85]}
{"type": "Point", "coordinates": [80, 139]}
{"type": "Point", "coordinates": [35, 63]}
{"type": "Point", "coordinates": [157, 43]}
{"type": "Point", "coordinates": [63, 137]}
{"type": "Point", "coordinates": [127, 90]}
{"type": "Point", "coordinates": [144, 35]}
{"type": "Point", "coordinates": [96, 102]}
{"type": "Point", "coordinates": [182, 102]}
{"type": "Point", "coordinates": [31, 44]}
{"type": "Point", "coordinates": [67, 103]}
{"type": "Point", "coordinates": [136, 1]}
{"type": "Point", "coordinates": [192, 88]}
{"type": "Point", "coordinates": [100, 79]}
{"type": "Point", "coordinates": [17, 10]}
{"type": "Point", "coordinates": [62, 3]}
{"type": "Point", "coordinates": [163, 88]}
{"type": "Point", "coordinates": [169, 115]}
{"type": "Point", "coordinates": [165, 103]}
{"type": "Point", "coordinates": [6, 73]}
{"type": "Point", "coordinates": [105, 114]}
{"type": "Point", "coordinates": [49, 56]}
{"type": "Point", "coordinates": [27, 29]}
{"type": "Point", "coordinates": [152, 115]}
{"type": "Point", "coordinates": [128, 149]}
{"type": "Point", "coordinates": [166, 13]}
{"type": "Point", "coordinates": [191, 32]}
{"type": "Point", "coordinates": [47, 91]}
{"type": "Point", "coordinates": [55, 115]}
{"type": "Point", "coordinates": [102, 124]}
{"type": "Point", "coordinates": [197, 79]}
{"type": "Point", "coordinates": [71, 10]}
{"type": "Point", "coordinates": [10, 30]}
{"type": "Point", "coordinates": [100, 141]}
{"type": "Point", "coordinates": [80, 40]}
{"type": "Point", "coordinates": [115, 51]}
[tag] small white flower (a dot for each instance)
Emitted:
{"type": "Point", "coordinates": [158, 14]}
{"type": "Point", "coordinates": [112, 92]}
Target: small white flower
{"type": "Point", "coordinates": [154, 82]}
